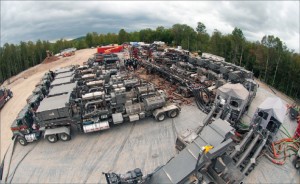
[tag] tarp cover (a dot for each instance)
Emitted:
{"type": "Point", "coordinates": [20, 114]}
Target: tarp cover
{"type": "Point", "coordinates": [275, 106]}
{"type": "Point", "coordinates": [234, 90]}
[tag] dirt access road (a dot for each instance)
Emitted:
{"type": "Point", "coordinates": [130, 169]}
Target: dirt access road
{"type": "Point", "coordinates": [22, 86]}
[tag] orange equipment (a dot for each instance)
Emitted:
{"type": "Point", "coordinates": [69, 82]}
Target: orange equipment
{"type": "Point", "coordinates": [109, 49]}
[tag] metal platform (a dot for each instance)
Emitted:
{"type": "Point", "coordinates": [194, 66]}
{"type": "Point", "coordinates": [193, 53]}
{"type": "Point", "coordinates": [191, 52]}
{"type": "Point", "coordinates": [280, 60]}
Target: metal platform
{"type": "Point", "coordinates": [61, 89]}
{"type": "Point", "coordinates": [63, 75]}
{"type": "Point", "coordinates": [61, 81]}
{"type": "Point", "coordinates": [55, 102]}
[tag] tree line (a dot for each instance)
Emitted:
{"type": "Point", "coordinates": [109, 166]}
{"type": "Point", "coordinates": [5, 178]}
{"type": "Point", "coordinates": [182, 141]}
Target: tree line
{"type": "Point", "coordinates": [269, 59]}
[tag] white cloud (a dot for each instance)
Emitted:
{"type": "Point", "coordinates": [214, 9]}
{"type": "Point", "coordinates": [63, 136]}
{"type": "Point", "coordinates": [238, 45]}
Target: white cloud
{"type": "Point", "coordinates": [54, 19]}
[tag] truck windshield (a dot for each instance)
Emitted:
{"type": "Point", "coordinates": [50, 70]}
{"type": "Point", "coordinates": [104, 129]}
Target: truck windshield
{"type": "Point", "coordinates": [47, 83]}
{"type": "Point", "coordinates": [19, 122]}
{"type": "Point", "coordinates": [43, 91]}
{"type": "Point", "coordinates": [29, 118]}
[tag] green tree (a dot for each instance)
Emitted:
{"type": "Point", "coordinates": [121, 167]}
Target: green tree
{"type": "Point", "coordinates": [238, 40]}
{"type": "Point", "coordinates": [81, 44]}
{"type": "Point", "coordinates": [202, 37]}
{"type": "Point", "coordinates": [89, 39]}
{"type": "Point", "coordinates": [269, 59]}
{"type": "Point", "coordinates": [215, 43]}
{"type": "Point", "coordinates": [147, 35]}
{"type": "Point", "coordinates": [201, 28]}
{"type": "Point", "coordinates": [185, 36]}
{"type": "Point", "coordinates": [122, 36]}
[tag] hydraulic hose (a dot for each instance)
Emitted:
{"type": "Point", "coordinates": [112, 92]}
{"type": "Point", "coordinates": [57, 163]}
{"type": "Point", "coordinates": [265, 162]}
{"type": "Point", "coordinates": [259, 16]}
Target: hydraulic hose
{"type": "Point", "coordinates": [201, 104]}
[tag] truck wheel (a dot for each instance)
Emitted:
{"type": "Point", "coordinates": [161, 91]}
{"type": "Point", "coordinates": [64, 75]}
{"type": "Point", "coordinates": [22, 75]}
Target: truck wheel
{"type": "Point", "coordinates": [173, 113]}
{"type": "Point", "coordinates": [22, 141]}
{"type": "Point", "coordinates": [52, 138]}
{"type": "Point", "coordinates": [160, 117]}
{"type": "Point", "coordinates": [64, 137]}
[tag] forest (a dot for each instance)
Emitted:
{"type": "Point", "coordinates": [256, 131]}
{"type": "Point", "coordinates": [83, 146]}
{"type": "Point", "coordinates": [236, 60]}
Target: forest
{"type": "Point", "coordinates": [269, 59]}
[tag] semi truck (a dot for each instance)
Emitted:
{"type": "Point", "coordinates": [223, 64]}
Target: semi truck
{"type": "Point", "coordinates": [91, 112]}
{"type": "Point", "coordinates": [5, 95]}
{"type": "Point", "coordinates": [40, 91]}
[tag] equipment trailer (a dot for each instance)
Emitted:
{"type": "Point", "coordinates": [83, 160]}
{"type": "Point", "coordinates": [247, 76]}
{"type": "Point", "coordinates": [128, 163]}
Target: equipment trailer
{"type": "Point", "coordinates": [92, 112]}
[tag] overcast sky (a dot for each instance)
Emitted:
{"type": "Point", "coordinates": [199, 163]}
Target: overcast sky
{"type": "Point", "coordinates": [54, 20]}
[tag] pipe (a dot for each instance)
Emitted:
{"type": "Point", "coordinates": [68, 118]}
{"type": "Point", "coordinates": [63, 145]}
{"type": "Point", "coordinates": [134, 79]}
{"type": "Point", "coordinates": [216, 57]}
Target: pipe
{"type": "Point", "coordinates": [246, 153]}
{"type": "Point", "coordinates": [208, 118]}
{"type": "Point", "coordinates": [92, 102]}
{"type": "Point", "coordinates": [95, 88]}
{"type": "Point", "coordinates": [257, 152]}
{"type": "Point", "coordinates": [220, 113]}
{"type": "Point", "coordinates": [94, 95]}
{"type": "Point", "coordinates": [241, 145]}
{"type": "Point", "coordinates": [228, 115]}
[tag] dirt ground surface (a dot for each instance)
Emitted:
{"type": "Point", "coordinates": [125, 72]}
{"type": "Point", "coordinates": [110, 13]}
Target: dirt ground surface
{"type": "Point", "coordinates": [22, 86]}
{"type": "Point", "coordinates": [145, 144]}
{"type": "Point", "coordinates": [50, 59]}
{"type": "Point", "coordinates": [276, 92]}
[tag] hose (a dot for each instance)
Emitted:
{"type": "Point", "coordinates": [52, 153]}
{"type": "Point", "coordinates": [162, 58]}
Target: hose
{"type": "Point", "coordinates": [287, 132]}
{"type": "Point", "coordinates": [276, 160]}
{"type": "Point", "coordinates": [282, 146]}
{"type": "Point", "coordinates": [201, 104]}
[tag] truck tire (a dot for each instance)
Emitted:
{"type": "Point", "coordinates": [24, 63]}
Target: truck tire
{"type": "Point", "coordinates": [52, 138]}
{"type": "Point", "coordinates": [64, 137]}
{"type": "Point", "coordinates": [11, 94]}
{"type": "Point", "coordinates": [160, 117]}
{"type": "Point", "coordinates": [22, 141]}
{"type": "Point", "coordinates": [173, 113]}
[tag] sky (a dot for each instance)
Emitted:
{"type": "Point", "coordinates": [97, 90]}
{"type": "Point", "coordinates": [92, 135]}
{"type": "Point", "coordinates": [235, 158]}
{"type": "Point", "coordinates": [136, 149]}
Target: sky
{"type": "Point", "coordinates": [52, 20]}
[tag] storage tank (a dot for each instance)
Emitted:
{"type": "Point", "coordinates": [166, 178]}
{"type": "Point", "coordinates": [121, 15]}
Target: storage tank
{"type": "Point", "coordinates": [131, 82]}
{"type": "Point", "coordinates": [95, 126]}
{"type": "Point", "coordinates": [155, 102]}
{"type": "Point", "coordinates": [135, 108]}
{"type": "Point", "coordinates": [94, 95]}
{"type": "Point", "coordinates": [94, 83]}
{"type": "Point", "coordinates": [88, 76]}
{"type": "Point", "coordinates": [145, 89]}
